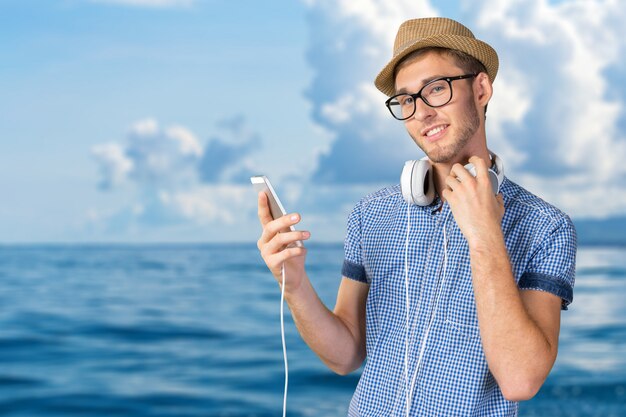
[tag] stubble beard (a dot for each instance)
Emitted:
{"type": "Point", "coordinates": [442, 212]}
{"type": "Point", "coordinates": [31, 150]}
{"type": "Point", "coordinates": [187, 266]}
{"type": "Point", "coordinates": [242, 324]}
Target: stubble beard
{"type": "Point", "coordinates": [467, 128]}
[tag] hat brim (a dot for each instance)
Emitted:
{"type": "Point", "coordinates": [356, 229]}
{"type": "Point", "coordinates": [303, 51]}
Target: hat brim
{"type": "Point", "coordinates": [385, 81]}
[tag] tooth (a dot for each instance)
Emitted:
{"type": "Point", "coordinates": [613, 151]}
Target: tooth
{"type": "Point", "coordinates": [434, 131]}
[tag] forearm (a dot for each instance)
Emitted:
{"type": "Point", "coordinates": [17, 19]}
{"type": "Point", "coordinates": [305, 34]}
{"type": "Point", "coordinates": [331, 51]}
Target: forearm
{"type": "Point", "coordinates": [338, 343]}
{"type": "Point", "coordinates": [338, 339]}
{"type": "Point", "coordinates": [519, 354]}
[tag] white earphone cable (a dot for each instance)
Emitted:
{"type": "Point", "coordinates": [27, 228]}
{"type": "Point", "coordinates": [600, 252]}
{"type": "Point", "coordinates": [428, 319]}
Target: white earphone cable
{"type": "Point", "coordinates": [282, 334]}
{"type": "Point", "coordinates": [436, 306]}
{"type": "Point", "coordinates": [408, 304]}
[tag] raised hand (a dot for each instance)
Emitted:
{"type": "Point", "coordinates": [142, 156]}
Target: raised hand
{"type": "Point", "coordinates": [277, 245]}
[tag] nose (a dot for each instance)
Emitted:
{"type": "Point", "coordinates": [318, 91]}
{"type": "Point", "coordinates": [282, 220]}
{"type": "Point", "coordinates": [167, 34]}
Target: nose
{"type": "Point", "coordinates": [422, 110]}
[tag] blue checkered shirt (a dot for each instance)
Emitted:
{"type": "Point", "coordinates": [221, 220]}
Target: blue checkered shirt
{"type": "Point", "coordinates": [453, 378]}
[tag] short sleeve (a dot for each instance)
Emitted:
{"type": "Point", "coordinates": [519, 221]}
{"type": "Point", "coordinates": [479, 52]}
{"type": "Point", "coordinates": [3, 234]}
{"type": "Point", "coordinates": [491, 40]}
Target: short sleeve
{"type": "Point", "coordinates": [553, 264]}
{"type": "Point", "coordinates": [353, 254]}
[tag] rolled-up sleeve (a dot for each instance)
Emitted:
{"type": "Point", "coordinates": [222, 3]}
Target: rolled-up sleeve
{"type": "Point", "coordinates": [552, 267]}
{"type": "Point", "coordinates": [353, 252]}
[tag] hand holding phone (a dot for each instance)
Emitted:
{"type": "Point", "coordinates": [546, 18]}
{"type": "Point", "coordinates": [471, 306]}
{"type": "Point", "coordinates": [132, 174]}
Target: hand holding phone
{"type": "Point", "coordinates": [294, 251]}
{"type": "Point", "coordinates": [262, 183]}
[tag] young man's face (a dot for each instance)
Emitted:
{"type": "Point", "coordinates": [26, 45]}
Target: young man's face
{"type": "Point", "coordinates": [446, 134]}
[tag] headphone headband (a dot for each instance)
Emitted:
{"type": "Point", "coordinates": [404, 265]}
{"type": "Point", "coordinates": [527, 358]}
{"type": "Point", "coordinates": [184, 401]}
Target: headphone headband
{"type": "Point", "coordinates": [416, 181]}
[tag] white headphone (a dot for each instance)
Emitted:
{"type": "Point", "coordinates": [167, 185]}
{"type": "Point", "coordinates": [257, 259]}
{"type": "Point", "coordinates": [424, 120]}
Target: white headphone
{"type": "Point", "coordinates": [417, 184]}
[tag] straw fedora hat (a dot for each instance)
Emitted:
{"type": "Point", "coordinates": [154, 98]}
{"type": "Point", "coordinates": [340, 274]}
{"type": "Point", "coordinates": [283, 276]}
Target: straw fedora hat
{"type": "Point", "coordinates": [435, 32]}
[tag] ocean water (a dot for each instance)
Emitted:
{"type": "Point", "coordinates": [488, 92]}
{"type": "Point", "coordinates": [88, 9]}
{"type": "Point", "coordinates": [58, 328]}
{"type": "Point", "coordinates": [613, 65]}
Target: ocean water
{"type": "Point", "coordinates": [193, 330]}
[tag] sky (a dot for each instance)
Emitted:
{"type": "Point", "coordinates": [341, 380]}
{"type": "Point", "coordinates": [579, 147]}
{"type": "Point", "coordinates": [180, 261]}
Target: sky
{"type": "Point", "coordinates": [142, 120]}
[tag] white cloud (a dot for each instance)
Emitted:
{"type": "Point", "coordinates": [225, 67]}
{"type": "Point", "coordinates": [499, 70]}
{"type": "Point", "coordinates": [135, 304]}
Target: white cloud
{"type": "Point", "coordinates": [559, 126]}
{"type": "Point", "coordinates": [350, 42]}
{"type": "Point", "coordinates": [145, 127]}
{"type": "Point", "coordinates": [161, 157]}
{"type": "Point", "coordinates": [207, 204]}
{"type": "Point", "coordinates": [508, 107]}
{"type": "Point", "coordinates": [577, 195]}
{"type": "Point", "coordinates": [188, 143]}
{"type": "Point", "coordinates": [165, 167]}
{"type": "Point", "coordinates": [378, 16]}
{"type": "Point", "coordinates": [231, 156]}
{"type": "Point", "coordinates": [365, 101]}
{"type": "Point", "coordinates": [200, 213]}
{"type": "Point", "coordinates": [555, 118]}
{"type": "Point", "coordinates": [148, 3]}
{"type": "Point", "coordinates": [114, 164]}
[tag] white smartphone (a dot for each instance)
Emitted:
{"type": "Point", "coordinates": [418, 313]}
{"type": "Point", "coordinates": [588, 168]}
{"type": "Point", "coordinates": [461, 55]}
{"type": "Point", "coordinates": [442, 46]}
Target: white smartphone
{"type": "Point", "coordinates": [262, 183]}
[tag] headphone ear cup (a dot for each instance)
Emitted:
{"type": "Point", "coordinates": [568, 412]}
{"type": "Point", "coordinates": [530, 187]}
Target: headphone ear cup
{"type": "Point", "coordinates": [405, 181]}
{"type": "Point", "coordinates": [416, 182]}
{"type": "Point", "coordinates": [498, 172]}
{"type": "Point", "coordinates": [493, 178]}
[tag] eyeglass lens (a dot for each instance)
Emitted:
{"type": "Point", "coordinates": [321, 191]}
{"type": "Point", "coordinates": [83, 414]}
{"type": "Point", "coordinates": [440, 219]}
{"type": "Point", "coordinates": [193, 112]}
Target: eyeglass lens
{"type": "Point", "coordinates": [435, 94]}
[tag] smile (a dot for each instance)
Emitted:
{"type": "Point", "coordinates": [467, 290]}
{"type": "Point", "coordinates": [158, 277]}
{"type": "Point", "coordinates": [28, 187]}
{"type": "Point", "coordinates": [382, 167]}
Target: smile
{"type": "Point", "coordinates": [434, 132]}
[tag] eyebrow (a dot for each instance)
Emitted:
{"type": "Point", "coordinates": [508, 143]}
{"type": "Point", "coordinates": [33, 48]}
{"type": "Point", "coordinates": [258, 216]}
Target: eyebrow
{"type": "Point", "coordinates": [424, 82]}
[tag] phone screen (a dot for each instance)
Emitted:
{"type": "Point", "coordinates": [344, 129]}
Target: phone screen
{"type": "Point", "coordinates": [262, 183]}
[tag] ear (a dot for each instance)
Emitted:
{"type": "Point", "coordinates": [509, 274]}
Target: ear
{"type": "Point", "coordinates": [483, 90]}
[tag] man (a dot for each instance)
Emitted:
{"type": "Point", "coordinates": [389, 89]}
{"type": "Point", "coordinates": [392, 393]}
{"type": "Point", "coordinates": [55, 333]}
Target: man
{"type": "Point", "coordinates": [456, 304]}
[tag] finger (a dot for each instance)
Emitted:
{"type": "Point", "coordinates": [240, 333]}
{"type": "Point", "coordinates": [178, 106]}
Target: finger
{"type": "Point", "coordinates": [282, 240]}
{"type": "Point", "coordinates": [265, 215]}
{"type": "Point", "coordinates": [275, 261]}
{"type": "Point", "coordinates": [452, 182]}
{"type": "Point", "coordinates": [283, 223]}
{"type": "Point", "coordinates": [480, 166]}
{"type": "Point", "coordinates": [461, 173]}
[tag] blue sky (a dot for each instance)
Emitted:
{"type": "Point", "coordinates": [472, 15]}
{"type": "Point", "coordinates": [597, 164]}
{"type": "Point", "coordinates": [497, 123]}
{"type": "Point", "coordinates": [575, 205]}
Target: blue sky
{"type": "Point", "coordinates": [140, 120]}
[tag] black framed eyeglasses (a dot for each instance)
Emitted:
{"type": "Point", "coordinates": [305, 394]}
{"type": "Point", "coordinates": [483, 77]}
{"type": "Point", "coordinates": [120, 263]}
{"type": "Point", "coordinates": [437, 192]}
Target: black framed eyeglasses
{"type": "Point", "coordinates": [436, 93]}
